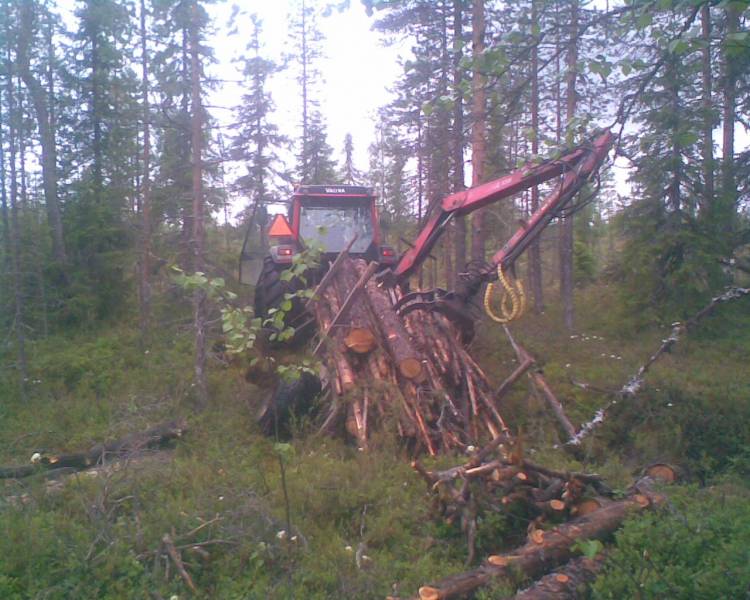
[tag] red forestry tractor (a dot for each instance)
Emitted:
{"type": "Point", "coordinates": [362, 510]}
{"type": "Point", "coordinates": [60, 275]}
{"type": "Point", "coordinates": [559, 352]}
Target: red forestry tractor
{"type": "Point", "coordinates": [342, 218]}
{"type": "Point", "coordinates": [374, 329]}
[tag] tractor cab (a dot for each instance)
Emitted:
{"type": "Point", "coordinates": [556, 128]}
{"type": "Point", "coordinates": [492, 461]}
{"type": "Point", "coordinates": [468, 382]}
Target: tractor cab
{"type": "Point", "coordinates": [323, 216]}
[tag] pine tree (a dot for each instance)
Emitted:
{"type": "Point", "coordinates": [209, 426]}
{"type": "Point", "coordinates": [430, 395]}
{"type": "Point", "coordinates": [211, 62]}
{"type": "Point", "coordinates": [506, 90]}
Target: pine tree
{"type": "Point", "coordinates": [349, 173]}
{"type": "Point", "coordinates": [257, 141]}
{"type": "Point", "coordinates": [315, 157]}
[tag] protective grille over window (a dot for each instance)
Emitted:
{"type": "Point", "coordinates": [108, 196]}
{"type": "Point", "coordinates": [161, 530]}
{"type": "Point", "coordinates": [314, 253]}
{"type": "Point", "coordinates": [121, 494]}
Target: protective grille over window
{"type": "Point", "coordinates": [334, 226]}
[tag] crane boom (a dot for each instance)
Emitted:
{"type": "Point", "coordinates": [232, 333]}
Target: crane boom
{"type": "Point", "coordinates": [577, 166]}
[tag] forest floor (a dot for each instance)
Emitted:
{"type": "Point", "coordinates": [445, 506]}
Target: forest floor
{"type": "Point", "coordinates": [316, 518]}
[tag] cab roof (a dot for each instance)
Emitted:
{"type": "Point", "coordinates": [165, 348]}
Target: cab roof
{"type": "Point", "coordinates": [333, 190]}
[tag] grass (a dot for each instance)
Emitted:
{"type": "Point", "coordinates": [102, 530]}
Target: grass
{"type": "Point", "coordinates": [221, 486]}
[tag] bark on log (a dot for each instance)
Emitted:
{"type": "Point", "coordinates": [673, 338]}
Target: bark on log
{"type": "Point", "coordinates": [330, 274]}
{"type": "Point", "coordinates": [347, 303]}
{"type": "Point", "coordinates": [394, 334]}
{"type": "Point", "coordinates": [152, 438]}
{"type": "Point", "coordinates": [567, 582]}
{"type": "Point", "coordinates": [553, 403]}
{"type": "Point", "coordinates": [359, 337]}
{"type": "Point", "coordinates": [546, 549]}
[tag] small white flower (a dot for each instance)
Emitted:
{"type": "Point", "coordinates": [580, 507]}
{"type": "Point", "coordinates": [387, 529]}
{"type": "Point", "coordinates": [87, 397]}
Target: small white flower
{"type": "Point", "coordinates": [348, 548]}
{"type": "Point", "coordinates": [471, 449]}
{"type": "Point", "coordinates": [36, 458]}
{"type": "Point", "coordinates": [669, 404]}
{"type": "Point", "coordinates": [294, 538]}
{"type": "Point", "coordinates": [281, 535]}
{"type": "Point", "coordinates": [221, 497]}
{"type": "Point", "coordinates": [567, 365]}
{"type": "Point", "coordinates": [174, 597]}
{"type": "Point", "coordinates": [147, 352]}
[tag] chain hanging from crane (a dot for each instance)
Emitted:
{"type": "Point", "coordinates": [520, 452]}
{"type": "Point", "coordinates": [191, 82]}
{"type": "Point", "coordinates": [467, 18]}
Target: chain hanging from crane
{"type": "Point", "coordinates": [512, 301]}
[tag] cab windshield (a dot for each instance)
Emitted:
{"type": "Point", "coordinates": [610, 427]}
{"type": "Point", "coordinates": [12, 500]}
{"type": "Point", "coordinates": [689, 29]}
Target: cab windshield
{"type": "Point", "coordinates": [333, 225]}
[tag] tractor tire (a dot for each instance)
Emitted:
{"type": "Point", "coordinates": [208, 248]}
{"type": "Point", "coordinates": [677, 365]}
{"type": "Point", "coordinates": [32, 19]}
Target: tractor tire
{"type": "Point", "coordinates": [269, 289]}
{"type": "Point", "coordinates": [269, 293]}
{"type": "Point", "coordinates": [289, 400]}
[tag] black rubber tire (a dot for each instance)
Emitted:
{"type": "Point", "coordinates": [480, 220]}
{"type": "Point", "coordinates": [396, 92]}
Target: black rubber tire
{"type": "Point", "coordinates": [270, 289]}
{"type": "Point", "coordinates": [269, 293]}
{"type": "Point", "coordinates": [290, 399]}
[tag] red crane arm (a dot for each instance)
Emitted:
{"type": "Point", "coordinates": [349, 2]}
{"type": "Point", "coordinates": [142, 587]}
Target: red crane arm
{"type": "Point", "coordinates": [578, 166]}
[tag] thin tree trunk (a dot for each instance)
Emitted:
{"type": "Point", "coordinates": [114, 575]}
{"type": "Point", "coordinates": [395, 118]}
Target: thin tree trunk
{"type": "Point", "coordinates": [674, 190]}
{"type": "Point", "coordinates": [42, 101]}
{"type": "Point", "coordinates": [4, 199]}
{"type": "Point", "coordinates": [566, 224]}
{"type": "Point", "coordinates": [728, 184]}
{"type": "Point", "coordinates": [198, 237]}
{"type": "Point", "coordinates": [187, 213]}
{"type": "Point", "coordinates": [444, 172]}
{"type": "Point", "coordinates": [420, 185]}
{"type": "Point", "coordinates": [96, 116]}
{"type": "Point", "coordinates": [535, 255]}
{"type": "Point", "coordinates": [459, 223]}
{"type": "Point", "coordinates": [145, 284]}
{"type": "Point", "coordinates": [478, 126]}
{"type": "Point", "coordinates": [707, 105]}
{"type": "Point", "coordinates": [13, 119]}
{"type": "Point", "coordinates": [305, 115]}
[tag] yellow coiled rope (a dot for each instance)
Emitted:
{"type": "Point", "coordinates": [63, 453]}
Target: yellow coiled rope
{"type": "Point", "coordinates": [512, 302]}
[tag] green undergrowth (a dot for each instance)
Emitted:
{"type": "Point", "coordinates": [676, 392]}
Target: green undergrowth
{"type": "Point", "coordinates": [220, 489]}
{"type": "Point", "coordinates": [696, 548]}
{"type": "Point", "coordinates": [100, 537]}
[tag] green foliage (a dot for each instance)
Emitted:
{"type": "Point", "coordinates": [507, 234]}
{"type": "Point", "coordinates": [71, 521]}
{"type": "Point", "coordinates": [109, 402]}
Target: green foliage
{"type": "Point", "coordinates": [240, 327]}
{"type": "Point", "coordinates": [588, 548]}
{"type": "Point", "coordinates": [700, 548]}
{"type": "Point", "coordinates": [670, 264]}
{"type": "Point", "coordinates": [584, 263]}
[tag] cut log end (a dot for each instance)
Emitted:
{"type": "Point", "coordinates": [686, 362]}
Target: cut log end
{"type": "Point", "coordinates": [557, 505]}
{"type": "Point", "coordinates": [360, 340]}
{"type": "Point", "coordinates": [586, 506]}
{"type": "Point", "coordinates": [411, 368]}
{"type": "Point", "coordinates": [498, 561]}
{"type": "Point", "coordinates": [662, 472]}
{"type": "Point", "coordinates": [429, 593]}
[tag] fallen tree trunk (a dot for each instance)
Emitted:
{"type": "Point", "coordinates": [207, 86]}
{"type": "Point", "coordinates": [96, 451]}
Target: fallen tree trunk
{"type": "Point", "coordinates": [567, 582]}
{"type": "Point", "coordinates": [635, 383]}
{"type": "Point", "coordinates": [152, 438]}
{"type": "Point", "coordinates": [545, 550]}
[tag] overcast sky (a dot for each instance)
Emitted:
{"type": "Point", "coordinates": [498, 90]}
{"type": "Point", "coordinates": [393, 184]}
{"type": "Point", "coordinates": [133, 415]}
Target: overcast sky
{"type": "Point", "coordinates": [356, 71]}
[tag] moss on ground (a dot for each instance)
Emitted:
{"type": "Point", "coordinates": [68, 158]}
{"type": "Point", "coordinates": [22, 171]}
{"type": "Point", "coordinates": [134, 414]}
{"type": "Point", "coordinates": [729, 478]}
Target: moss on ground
{"type": "Point", "coordinates": [99, 537]}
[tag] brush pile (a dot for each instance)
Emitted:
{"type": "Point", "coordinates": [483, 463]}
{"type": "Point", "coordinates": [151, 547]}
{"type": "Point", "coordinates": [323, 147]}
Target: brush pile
{"type": "Point", "coordinates": [412, 368]}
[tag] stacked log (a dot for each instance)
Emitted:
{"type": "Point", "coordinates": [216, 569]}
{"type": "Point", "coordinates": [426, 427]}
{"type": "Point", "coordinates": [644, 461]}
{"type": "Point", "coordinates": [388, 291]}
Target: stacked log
{"type": "Point", "coordinates": [409, 370]}
{"type": "Point", "coordinates": [497, 477]}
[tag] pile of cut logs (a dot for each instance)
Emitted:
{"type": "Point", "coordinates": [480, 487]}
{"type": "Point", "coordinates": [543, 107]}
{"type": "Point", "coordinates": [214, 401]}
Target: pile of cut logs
{"type": "Point", "coordinates": [410, 368]}
{"type": "Point", "coordinates": [563, 508]}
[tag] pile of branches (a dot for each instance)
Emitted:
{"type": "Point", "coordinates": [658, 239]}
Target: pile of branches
{"type": "Point", "coordinates": [563, 507]}
{"type": "Point", "coordinates": [412, 367]}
